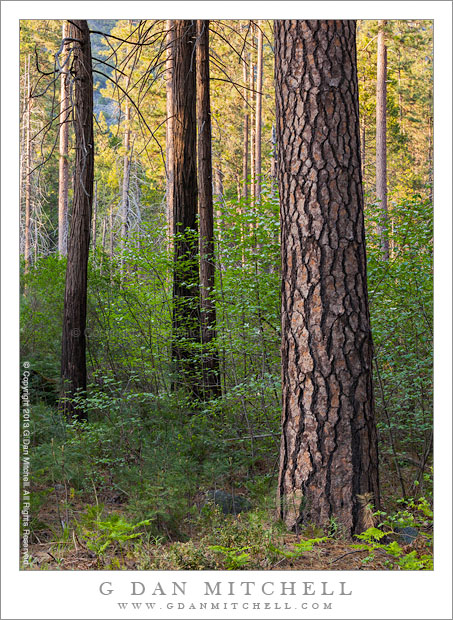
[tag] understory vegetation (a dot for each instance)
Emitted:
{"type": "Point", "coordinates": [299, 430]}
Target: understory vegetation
{"type": "Point", "coordinates": [128, 488]}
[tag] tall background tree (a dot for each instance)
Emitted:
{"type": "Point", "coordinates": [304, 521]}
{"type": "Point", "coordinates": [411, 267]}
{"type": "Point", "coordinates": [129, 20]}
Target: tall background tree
{"type": "Point", "coordinates": [328, 452]}
{"type": "Point", "coordinates": [65, 114]}
{"type": "Point", "coordinates": [186, 311]}
{"type": "Point", "coordinates": [210, 360]}
{"type": "Point", "coordinates": [73, 356]}
{"type": "Point", "coordinates": [381, 138]}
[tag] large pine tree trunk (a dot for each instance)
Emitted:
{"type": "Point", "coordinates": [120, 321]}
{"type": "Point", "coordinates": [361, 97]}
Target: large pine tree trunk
{"type": "Point", "coordinates": [210, 362]}
{"type": "Point", "coordinates": [73, 358]}
{"type": "Point", "coordinates": [381, 139]}
{"type": "Point", "coordinates": [329, 443]}
{"type": "Point", "coordinates": [63, 174]}
{"type": "Point", "coordinates": [186, 312]}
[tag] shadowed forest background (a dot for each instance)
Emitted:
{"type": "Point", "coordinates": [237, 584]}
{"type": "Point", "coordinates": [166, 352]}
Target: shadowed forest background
{"type": "Point", "coordinates": [156, 466]}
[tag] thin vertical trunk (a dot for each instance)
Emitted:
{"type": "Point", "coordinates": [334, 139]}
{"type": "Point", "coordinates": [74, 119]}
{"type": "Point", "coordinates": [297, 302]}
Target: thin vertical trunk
{"type": "Point", "coordinates": [28, 172]}
{"type": "Point", "coordinates": [252, 127]}
{"type": "Point", "coordinates": [328, 456]}
{"type": "Point", "coordinates": [63, 172]}
{"type": "Point", "coordinates": [245, 146]}
{"type": "Point", "coordinates": [169, 128]}
{"type": "Point", "coordinates": [381, 139]}
{"type": "Point", "coordinates": [95, 215]}
{"type": "Point", "coordinates": [73, 358]}
{"type": "Point", "coordinates": [186, 309]}
{"type": "Point", "coordinates": [274, 176]}
{"type": "Point", "coordinates": [111, 238]}
{"type": "Point", "coordinates": [126, 181]}
{"type": "Point", "coordinates": [258, 113]}
{"type": "Point", "coordinates": [104, 227]}
{"type": "Point", "coordinates": [211, 384]}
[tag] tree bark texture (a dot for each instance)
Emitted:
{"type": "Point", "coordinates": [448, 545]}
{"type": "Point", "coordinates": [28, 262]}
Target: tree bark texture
{"type": "Point", "coordinates": [381, 139]}
{"type": "Point", "coordinates": [258, 113]}
{"type": "Point", "coordinates": [73, 359]}
{"type": "Point", "coordinates": [329, 444]}
{"type": "Point", "coordinates": [63, 172]}
{"type": "Point", "coordinates": [186, 312]}
{"type": "Point", "coordinates": [210, 361]}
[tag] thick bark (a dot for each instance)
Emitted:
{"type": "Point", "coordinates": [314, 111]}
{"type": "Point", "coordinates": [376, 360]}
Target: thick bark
{"type": "Point", "coordinates": [381, 139]}
{"type": "Point", "coordinates": [329, 442]}
{"type": "Point", "coordinates": [258, 113]}
{"type": "Point", "coordinates": [186, 312]}
{"type": "Point", "coordinates": [63, 172]}
{"type": "Point", "coordinates": [210, 361]}
{"type": "Point", "coordinates": [73, 358]}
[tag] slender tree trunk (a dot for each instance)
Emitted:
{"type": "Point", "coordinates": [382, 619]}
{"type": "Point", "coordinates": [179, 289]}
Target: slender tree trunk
{"type": "Point", "coordinates": [328, 452]}
{"type": "Point", "coordinates": [186, 311]}
{"type": "Point", "coordinates": [126, 182]}
{"type": "Point", "coordinates": [73, 359]}
{"type": "Point", "coordinates": [211, 384]}
{"type": "Point", "coordinates": [111, 238]}
{"type": "Point", "coordinates": [381, 139]}
{"type": "Point", "coordinates": [252, 127]}
{"type": "Point", "coordinates": [95, 215]}
{"type": "Point", "coordinates": [363, 148]}
{"type": "Point", "coordinates": [274, 176]}
{"type": "Point", "coordinates": [63, 172]}
{"type": "Point", "coordinates": [169, 128]}
{"type": "Point", "coordinates": [245, 147]}
{"type": "Point", "coordinates": [28, 172]}
{"type": "Point", "coordinates": [258, 114]}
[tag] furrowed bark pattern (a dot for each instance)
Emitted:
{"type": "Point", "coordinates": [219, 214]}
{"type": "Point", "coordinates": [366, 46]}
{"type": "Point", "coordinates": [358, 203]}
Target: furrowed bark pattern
{"type": "Point", "coordinates": [73, 359]}
{"type": "Point", "coordinates": [329, 443]}
{"type": "Point", "coordinates": [186, 314]}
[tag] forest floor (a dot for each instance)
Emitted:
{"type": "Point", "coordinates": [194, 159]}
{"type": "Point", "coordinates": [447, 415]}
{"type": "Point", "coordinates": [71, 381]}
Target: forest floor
{"type": "Point", "coordinates": [71, 534]}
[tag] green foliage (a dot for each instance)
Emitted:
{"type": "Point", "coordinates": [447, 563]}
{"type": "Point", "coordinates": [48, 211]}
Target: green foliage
{"type": "Point", "coordinates": [235, 559]}
{"type": "Point", "coordinates": [417, 513]}
{"type": "Point", "coordinates": [113, 530]}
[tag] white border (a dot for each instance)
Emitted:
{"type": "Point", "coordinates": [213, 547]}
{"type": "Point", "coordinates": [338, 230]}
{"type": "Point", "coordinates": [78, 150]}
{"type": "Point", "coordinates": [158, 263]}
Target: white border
{"type": "Point", "coordinates": [375, 595]}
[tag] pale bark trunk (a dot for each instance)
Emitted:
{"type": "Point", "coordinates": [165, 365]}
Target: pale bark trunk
{"type": "Point", "coordinates": [95, 214]}
{"type": "Point", "coordinates": [252, 127]}
{"type": "Point", "coordinates": [245, 143]}
{"type": "Point", "coordinates": [169, 128]}
{"type": "Point", "coordinates": [63, 172]}
{"type": "Point", "coordinates": [126, 182]}
{"type": "Point", "coordinates": [328, 452]}
{"type": "Point", "coordinates": [381, 140]}
{"type": "Point", "coordinates": [28, 172]}
{"type": "Point", "coordinates": [258, 114]}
